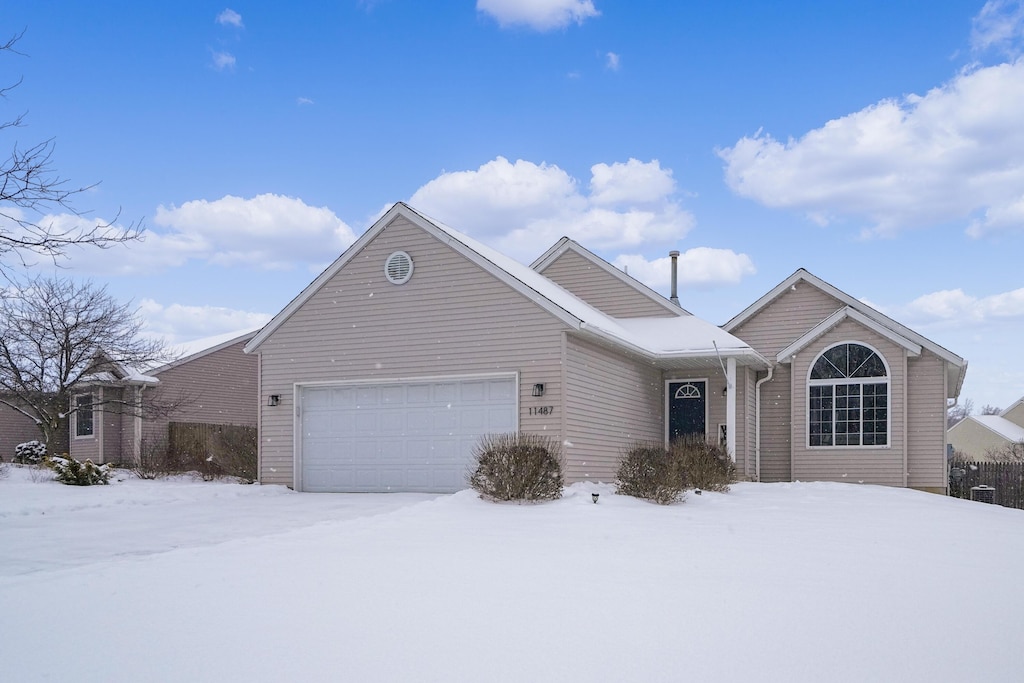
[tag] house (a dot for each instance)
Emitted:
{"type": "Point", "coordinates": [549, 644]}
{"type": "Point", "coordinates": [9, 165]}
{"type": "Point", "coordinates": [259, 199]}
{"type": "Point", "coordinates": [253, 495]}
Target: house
{"type": "Point", "coordinates": [979, 437]}
{"type": "Point", "coordinates": [384, 372]}
{"type": "Point", "coordinates": [121, 413]}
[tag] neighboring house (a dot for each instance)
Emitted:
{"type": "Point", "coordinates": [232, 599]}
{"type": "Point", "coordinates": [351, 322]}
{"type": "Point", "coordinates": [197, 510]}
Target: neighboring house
{"type": "Point", "coordinates": [385, 371]}
{"type": "Point", "coordinates": [978, 437]}
{"type": "Point", "coordinates": [216, 385]}
{"type": "Point", "coordinates": [15, 428]}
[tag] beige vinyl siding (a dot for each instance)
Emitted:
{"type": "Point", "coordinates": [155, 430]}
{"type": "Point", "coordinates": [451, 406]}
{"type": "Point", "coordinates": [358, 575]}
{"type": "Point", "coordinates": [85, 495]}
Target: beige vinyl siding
{"type": "Point", "coordinates": [851, 464]}
{"type": "Point", "coordinates": [975, 440]}
{"type": "Point", "coordinates": [601, 289]}
{"type": "Point", "coordinates": [113, 434]}
{"type": "Point", "coordinates": [217, 388]}
{"type": "Point", "coordinates": [748, 424]}
{"type": "Point", "coordinates": [1016, 414]}
{"type": "Point", "coordinates": [770, 330]}
{"type": "Point", "coordinates": [611, 401]}
{"type": "Point", "coordinates": [15, 428]}
{"type": "Point", "coordinates": [452, 318]}
{"type": "Point", "coordinates": [926, 422]}
{"type": "Point", "coordinates": [776, 422]}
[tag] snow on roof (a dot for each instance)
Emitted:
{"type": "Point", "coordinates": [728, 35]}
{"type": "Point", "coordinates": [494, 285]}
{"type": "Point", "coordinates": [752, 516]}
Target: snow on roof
{"type": "Point", "coordinates": [1001, 426]}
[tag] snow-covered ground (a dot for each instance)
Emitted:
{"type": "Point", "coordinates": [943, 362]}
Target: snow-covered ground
{"type": "Point", "coordinates": [192, 581]}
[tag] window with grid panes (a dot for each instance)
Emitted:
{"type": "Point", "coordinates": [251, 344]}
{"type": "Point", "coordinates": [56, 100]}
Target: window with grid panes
{"type": "Point", "coordinates": [848, 398]}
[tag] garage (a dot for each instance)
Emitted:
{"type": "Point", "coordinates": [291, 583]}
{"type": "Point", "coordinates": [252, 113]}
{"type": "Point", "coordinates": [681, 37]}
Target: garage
{"type": "Point", "coordinates": [399, 436]}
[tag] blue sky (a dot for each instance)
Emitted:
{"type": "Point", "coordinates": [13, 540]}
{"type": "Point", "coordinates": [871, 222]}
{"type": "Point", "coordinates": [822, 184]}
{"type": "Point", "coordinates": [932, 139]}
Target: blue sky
{"type": "Point", "coordinates": [880, 145]}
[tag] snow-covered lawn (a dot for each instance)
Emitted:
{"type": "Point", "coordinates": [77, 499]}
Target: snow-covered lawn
{"type": "Point", "coordinates": [192, 581]}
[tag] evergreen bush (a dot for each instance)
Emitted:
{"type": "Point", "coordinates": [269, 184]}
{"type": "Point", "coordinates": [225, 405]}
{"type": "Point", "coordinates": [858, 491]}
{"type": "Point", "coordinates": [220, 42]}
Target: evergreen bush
{"type": "Point", "coordinates": [517, 466]}
{"type": "Point", "coordinates": [29, 453]}
{"type": "Point", "coordinates": [650, 472]}
{"type": "Point", "coordinates": [75, 473]}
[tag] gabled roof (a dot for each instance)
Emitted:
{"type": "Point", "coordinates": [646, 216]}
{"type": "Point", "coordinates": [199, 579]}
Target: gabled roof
{"type": "Point", "coordinates": [1006, 411]}
{"type": "Point", "coordinates": [565, 244]}
{"type": "Point", "coordinates": [956, 368]}
{"type": "Point", "coordinates": [839, 316]}
{"type": "Point", "coordinates": [668, 338]}
{"type": "Point", "coordinates": [996, 424]}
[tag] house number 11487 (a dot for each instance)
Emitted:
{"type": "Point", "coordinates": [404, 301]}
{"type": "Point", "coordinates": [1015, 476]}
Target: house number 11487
{"type": "Point", "coordinates": [542, 410]}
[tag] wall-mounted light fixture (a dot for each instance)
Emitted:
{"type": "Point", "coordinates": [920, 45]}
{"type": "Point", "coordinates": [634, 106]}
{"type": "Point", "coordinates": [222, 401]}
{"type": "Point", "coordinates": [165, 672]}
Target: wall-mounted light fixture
{"type": "Point", "coordinates": [538, 389]}
{"type": "Point", "coordinates": [725, 390]}
{"type": "Point", "coordinates": [274, 400]}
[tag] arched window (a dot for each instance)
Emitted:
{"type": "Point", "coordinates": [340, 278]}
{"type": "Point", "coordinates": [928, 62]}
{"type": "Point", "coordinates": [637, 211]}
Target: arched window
{"type": "Point", "coordinates": [848, 393]}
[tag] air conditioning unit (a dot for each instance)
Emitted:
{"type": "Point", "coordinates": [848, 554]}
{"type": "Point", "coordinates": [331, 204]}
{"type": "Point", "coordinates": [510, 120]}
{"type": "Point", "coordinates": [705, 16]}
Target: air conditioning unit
{"type": "Point", "coordinates": [983, 494]}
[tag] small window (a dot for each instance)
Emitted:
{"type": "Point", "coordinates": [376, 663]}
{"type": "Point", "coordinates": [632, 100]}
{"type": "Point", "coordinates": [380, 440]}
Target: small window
{"type": "Point", "coordinates": [398, 268]}
{"type": "Point", "coordinates": [83, 415]}
{"type": "Point", "coordinates": [848, 398]}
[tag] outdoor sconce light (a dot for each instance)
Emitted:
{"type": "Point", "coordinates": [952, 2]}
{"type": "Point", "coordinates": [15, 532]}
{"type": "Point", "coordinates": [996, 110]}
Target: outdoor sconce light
{"type": "Point", "coordinates": [274, 400]}
{"type": "Point", "coordinates": [594, 496]}
{"type": "Point", "coordinates": [538, 389]}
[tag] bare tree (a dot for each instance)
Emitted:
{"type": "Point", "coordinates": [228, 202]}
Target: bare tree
{"type": "Point", "coordinates": [1011, 452]}
{"type": "Point", "coordinates": [958, 412]}
{"type": "Point", "coordinates": [32, 192]}
{"type": "Point", "coordinates": [990, 410]}
{"type": "Point", "coordinates": [56, 333]}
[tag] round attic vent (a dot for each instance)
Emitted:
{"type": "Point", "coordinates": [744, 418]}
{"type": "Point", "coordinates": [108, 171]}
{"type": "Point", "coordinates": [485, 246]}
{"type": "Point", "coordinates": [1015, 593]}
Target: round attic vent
{"type": "Point", "coordinates": [398, 268]}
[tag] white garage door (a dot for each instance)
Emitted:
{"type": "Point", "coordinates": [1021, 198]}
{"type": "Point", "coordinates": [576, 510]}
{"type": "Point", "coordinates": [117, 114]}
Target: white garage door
{"type": "Point", "coordinates": [415, 436]}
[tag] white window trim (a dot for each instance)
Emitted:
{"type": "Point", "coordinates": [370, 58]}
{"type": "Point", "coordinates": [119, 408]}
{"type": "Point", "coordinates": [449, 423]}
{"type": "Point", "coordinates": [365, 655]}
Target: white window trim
{"type": "Point", "coordinates": [74, 417]}
{"type": "Point", "coordinates": [808, 383]}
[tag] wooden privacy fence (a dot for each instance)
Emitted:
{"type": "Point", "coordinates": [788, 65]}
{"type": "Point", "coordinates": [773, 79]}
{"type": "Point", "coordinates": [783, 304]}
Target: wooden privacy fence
{"type": "Point", "coordinates": [1007, 478]}
{"type": "Point", "coordinates": [214, 448]}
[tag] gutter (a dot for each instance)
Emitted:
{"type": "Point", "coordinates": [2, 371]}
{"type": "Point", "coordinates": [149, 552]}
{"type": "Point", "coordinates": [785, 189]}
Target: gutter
{"type": "Point", "coordinates": [757, 421]}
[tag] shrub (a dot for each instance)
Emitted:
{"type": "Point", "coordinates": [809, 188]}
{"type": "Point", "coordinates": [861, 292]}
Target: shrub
{"type": "Point", "coordinates": [650, 472]}
{"type": "Point", "coordinates": [29, 453]}
{"type": "Point", "coordinates": [154, 460]}
{"type": "Point", "coordinates": [75, 473]}
{"type": "Point", "coordinates": [706, 466]}
{"type": "Point", "coordinates": [517, 466]}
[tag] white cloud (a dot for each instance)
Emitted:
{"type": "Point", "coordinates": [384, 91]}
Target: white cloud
{"type": "Point", "coordinates": [521, 208]}
{"type": "Point", "coordinates": [700, 267]}
{"type": "Point", "coordinates": [222, 61]}
{"type": "Point", "coordinates": [999, 26]}
{"type": "Point", "coordinates": [631, 182]}
{"type": "Point", "coordinates": [266, 232]}
{"type": "Point", "coordinates": [177, 323]}
{"type": "Point", "coordinates": [269, 231]}
{"type": "Point", "coordinates": [611, 61]}
{"type": "Point", "coordinates": [303, 100]}
{"type": "Point", "coordinates": [954, 153]}
{"type": "Point", "coordinates": [955, 305]}
{"type": "Point", "coordinates": [541, 15]}
{"type": "Point", "coordinates": [230, 17]}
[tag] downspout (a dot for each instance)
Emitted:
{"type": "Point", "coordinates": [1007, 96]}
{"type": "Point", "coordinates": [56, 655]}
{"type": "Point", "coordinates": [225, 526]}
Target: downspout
{"type": "Point", "coordinates": [906, 430]}
{"type": "Point", "coordinates": [674, 255]}
{"type": "Point", "coordinates": [757, 421]}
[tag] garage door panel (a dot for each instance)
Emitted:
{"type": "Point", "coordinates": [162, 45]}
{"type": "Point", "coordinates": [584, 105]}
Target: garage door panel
{"type": "Point", "coordinates": [416, 436]}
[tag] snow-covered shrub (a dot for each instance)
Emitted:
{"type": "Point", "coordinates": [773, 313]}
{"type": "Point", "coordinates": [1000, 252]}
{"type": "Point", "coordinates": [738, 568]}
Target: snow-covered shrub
{"type": "Point", "coordinates": [517, 466]}
{"type": "Point", "coordinates": [650, 472]}
{"type": "Point", "coordinates": [29, 453]}
{"type": "Point", "coordinates": [705, 465]}
{"type": "Point", "coordinates": [75, 473]}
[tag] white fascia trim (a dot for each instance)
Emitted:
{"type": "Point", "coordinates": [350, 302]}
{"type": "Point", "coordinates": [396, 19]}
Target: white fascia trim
{"type": "Point", "coordinates": [833, 320]}
{"type": "Point", "coordinates": [410, 214]}
{"type": "Point", "coordinates": [565, 244]}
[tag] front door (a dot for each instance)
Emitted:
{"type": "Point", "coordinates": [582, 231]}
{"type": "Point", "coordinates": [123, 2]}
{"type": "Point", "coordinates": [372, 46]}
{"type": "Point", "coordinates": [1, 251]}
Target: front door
{"type": "Point", "coordinates": [687, 408]}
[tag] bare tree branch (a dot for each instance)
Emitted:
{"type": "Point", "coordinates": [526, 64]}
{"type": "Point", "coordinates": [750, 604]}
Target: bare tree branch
{"type": "Point", "coordinates": [32, 192]}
